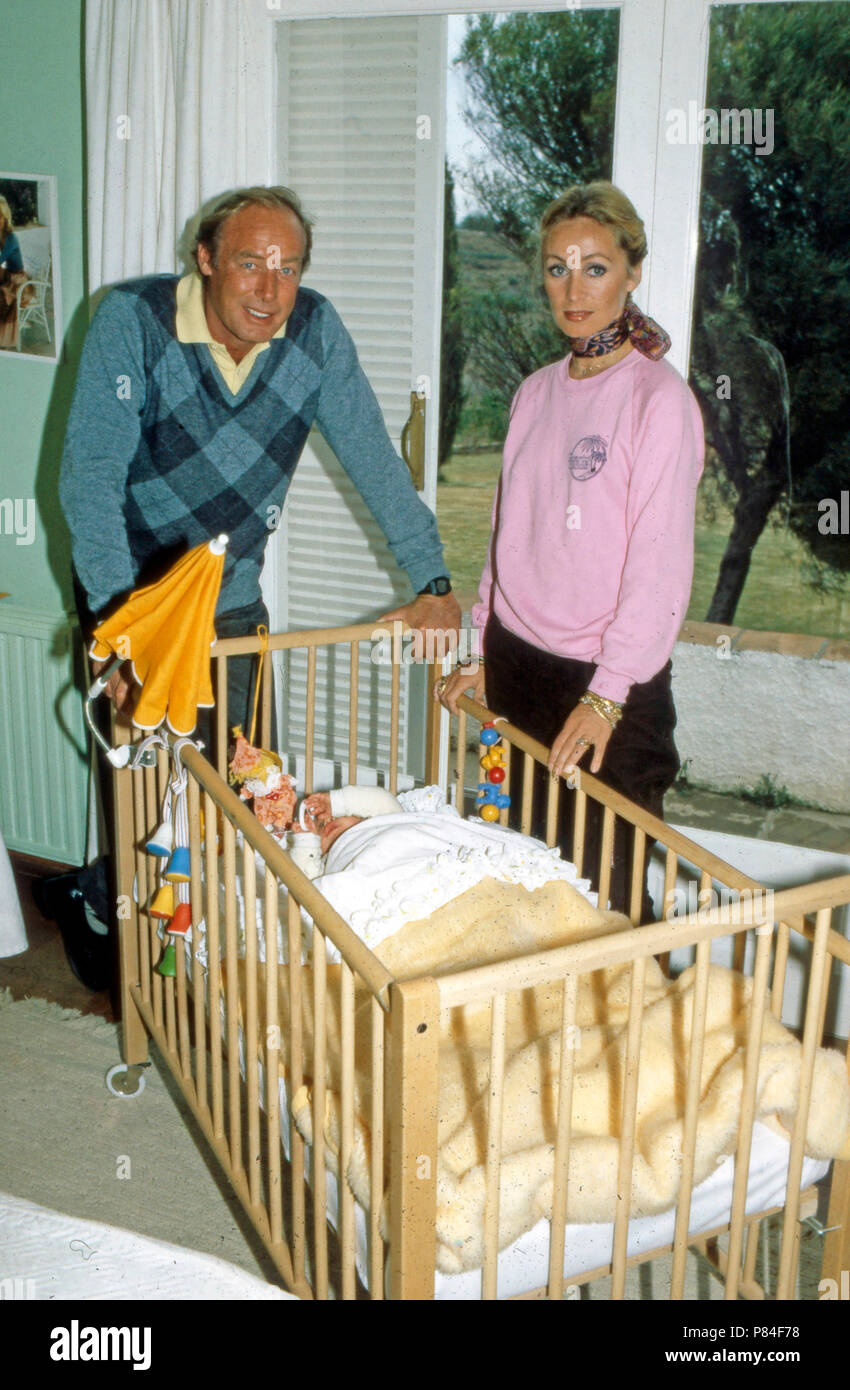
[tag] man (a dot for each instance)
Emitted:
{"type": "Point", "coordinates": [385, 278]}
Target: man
{"type": "Point", "coordinates": [194, 400]}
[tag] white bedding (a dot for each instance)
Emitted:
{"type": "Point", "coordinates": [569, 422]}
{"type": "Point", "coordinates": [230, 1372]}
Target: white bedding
{"type": "Point", "coordinates": [391, 870]}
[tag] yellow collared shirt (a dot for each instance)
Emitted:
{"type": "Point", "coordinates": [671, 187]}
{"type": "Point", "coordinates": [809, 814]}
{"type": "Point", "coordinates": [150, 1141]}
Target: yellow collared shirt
{"type": "Point", "coordinates": [191, 327]}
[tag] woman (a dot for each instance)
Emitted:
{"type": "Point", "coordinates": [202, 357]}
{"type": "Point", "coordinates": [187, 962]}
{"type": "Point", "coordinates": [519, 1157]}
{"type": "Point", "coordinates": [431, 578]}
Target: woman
{"type": "Point", "coordinates": [591, 559]}
{"type": "Point", "coordinates": [12, 276]}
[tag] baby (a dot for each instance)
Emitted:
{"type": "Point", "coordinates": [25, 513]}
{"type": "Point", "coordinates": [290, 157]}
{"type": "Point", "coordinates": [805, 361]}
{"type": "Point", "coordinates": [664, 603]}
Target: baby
{"type": "Point", "coordinates": [330, 814]}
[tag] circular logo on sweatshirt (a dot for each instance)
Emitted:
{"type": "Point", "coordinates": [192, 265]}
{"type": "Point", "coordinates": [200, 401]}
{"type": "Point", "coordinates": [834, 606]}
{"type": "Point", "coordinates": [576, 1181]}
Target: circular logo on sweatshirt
{"type": "Point", "coordinates": [588, 457]}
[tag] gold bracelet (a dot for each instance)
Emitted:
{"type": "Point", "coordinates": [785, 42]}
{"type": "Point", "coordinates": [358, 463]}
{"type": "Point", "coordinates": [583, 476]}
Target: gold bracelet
{"type": "Point", "coordinates": [610, 710]}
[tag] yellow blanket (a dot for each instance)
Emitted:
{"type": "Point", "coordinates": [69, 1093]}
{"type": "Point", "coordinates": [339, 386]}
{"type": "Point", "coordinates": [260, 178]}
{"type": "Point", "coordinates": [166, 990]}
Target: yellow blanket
{"type": "Point", "coordinates": [495, 921]}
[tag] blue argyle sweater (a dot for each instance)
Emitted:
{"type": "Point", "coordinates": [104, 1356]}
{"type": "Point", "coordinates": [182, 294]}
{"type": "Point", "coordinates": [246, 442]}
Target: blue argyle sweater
{"type": "Point", "coordinates": [160, 455]}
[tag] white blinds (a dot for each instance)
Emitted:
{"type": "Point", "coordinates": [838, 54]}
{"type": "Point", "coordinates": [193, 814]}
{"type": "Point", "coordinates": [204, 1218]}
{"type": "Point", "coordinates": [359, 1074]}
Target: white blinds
{"type": "Point", "coordinates": [352, 146]}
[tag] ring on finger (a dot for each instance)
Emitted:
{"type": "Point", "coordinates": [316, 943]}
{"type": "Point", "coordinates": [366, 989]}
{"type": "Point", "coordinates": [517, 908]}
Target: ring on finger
{"type": "Point", "coordinates": [582, 743]}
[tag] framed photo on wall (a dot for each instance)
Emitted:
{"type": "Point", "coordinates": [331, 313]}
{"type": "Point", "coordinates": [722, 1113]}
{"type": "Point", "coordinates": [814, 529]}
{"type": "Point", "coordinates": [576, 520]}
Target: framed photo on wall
{"type": "Point", "coordinates": [30, 299]}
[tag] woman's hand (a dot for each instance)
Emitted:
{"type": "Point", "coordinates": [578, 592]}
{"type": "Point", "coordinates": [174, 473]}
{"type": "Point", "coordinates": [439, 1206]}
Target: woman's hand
{"type": "Point", "coordinates": [460, 682]}
{"type": "Point", "coordinates": [584, 728]}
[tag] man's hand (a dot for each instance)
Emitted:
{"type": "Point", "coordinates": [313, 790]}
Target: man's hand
{"type": "Point", "coordinates": [120, 687]}
{"type": "Point", "coordinates": [428, 612]}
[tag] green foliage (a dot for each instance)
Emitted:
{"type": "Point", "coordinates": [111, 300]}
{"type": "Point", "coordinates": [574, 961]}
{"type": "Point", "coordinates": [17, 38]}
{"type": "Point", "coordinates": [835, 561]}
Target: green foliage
{"type": "Point", "coordinates": [776, 229]}
{"type": "Point", "coordinates": [542, 101]}
{"type": "Point", "coordinates": [453, 342]}
{"type": "Point", "coordinates": [766, 792]}
{"type": "Point", "coordinates": [476, 222]}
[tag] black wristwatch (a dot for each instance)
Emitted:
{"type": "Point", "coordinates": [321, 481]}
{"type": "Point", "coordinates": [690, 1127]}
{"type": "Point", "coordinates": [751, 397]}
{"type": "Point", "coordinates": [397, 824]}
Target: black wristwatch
{"type": "Point", "coordinates": [439, 586]}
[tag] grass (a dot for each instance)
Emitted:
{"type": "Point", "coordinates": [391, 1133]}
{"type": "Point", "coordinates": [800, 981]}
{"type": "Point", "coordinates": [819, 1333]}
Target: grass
{"type": "Point", "coordinates": [776, 596]}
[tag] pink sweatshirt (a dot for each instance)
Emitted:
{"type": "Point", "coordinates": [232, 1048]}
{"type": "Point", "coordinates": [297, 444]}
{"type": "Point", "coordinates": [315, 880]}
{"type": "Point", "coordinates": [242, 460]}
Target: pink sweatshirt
{"type": "Point", "coordinates": [592, 553]}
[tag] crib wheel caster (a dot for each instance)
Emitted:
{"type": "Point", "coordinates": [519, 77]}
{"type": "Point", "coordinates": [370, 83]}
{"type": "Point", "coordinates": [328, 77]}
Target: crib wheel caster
{"type": "Point", "coordinates": [124, 1081]}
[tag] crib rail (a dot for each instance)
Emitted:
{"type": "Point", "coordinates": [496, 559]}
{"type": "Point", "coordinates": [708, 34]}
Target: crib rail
{"type": "Point", "coordinates": [342, 1058]}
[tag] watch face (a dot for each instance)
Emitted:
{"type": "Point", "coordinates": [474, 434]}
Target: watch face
{"type": "Point", "coordinates": [438, 586]}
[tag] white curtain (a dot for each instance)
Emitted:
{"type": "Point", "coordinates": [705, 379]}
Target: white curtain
{"type": "Point", "coordinates": [178, 107]}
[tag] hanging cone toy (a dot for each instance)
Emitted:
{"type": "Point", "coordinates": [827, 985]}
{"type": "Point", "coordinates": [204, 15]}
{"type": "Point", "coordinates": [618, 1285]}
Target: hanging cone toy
{"type": "Point", "coordinates": [181, 922]}
{"type": "Point", "coordinates": [179, 869]}
{"type": "Point", "coordinates": [161, 840]}
{"type": "Point", "coordinates": [163, 903]}
{"type": "Point", "coordinates": [168, 961]}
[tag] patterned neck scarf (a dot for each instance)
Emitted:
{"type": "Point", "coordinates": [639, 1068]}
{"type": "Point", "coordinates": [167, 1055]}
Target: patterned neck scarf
{"type": "Point", "coordinates": [646, 335]}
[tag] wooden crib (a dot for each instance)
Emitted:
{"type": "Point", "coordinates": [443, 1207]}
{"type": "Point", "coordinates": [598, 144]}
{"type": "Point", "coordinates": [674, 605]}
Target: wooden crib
{"type": "Point", "coordinates": [222, 1037]}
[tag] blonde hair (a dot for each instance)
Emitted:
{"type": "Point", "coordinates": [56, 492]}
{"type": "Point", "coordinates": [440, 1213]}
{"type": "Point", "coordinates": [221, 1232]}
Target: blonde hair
{"type": "Point", "coordinates": [277, 198]}
{"type": "Point", "coordinates": [6, 215]}
{"type": "Point", "coordinates": [603, 203]}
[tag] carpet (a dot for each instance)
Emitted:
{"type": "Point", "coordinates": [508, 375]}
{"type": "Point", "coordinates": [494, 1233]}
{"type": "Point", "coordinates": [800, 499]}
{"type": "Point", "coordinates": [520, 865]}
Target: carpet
{"type": "Point", "coordinates": [66, 1143]}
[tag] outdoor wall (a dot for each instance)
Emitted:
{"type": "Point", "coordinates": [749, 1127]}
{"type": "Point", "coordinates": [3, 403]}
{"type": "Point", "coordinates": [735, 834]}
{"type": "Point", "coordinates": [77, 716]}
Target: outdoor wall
{"type": "Point", "coordinates": [756, 704]}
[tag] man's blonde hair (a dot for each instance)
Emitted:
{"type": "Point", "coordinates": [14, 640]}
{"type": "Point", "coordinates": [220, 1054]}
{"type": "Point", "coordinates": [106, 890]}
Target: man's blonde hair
{"type": "Point", "coordinates": [277, 197]}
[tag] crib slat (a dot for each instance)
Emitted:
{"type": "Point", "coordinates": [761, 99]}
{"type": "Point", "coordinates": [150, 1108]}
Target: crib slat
{"type": "Point", "coordinates": [346, 1129]}
{"type": "Point", "coordinates": [231, 997]}
{"type": "Point", "coordinates": [527, 791]}
{"type": "Point", "coordinates": [563, 1136]}
{"type": "Point", "coordinates": [553, 801]}
{"type": "Point", "coordinates": [627, 1132]}
{"type": "Point", "coordinates": [460, 763]}
{"type": "Point", "coordinates": [638, 856]}
{"type": "Point", "coordinates": [170, 1020]}
{"type": "Point", "coordinates": [296, 1072]}
{"type": "Point", "coordinates": [152, 813]}
{"type": "Point", "coordinates": [310, 725]}
{"type": "Point", "coordinates": [214, 967]}
{"type": "Point", "coordinates": [748, 1103]}
{"type": "Point", "coordinates": [818, 977]}
{"type": "Point", "coordinates": [250, 1039]}
{"type": "Point", "coordinates": [505, 788]}
{"type": "Point", "coordinates": [320, 1225]}
{"type": "Point", "coordinates": [376, 1157]}
{"type": "Point", "coordinates": [273, 1056]}
{"type": "Point", "coordinates": [671, 870]}
{"type": "Point", "coordinates": [196, 898]}
{"type": "Point", "coordinates": [395, 703]}
{"type": "Point", "coordinates": [689, 1129]}
{"type": "Point", "coordinates": [219, 754]}
{"type": "Point", "coordinates": [605, 853]}
{"type": "Point", "coordinates": [579, 823]}
{"type": "Point", "coordinates": [354, 691]}
{"type": "Point", "coordinates": [489, 1285]}
{"type": "Point", "coordinates": [144, 879]}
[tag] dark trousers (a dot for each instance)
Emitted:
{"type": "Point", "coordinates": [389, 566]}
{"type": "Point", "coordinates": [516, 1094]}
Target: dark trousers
{"type": "Point", "coordinates": [537, 691]}
{"type": "Point", "coordinates": [95, 881]}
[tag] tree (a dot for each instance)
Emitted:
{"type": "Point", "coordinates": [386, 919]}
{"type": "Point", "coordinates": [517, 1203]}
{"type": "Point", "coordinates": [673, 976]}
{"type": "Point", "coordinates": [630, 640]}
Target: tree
{"type": "Point", "coordinates": [773, 227]}
{"type": "Point", "coordinates": [453, 340]}
{"type": "Point", "coordinates": [542, 100]}
{"type": "Point", "coordinates": [773, 273]}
